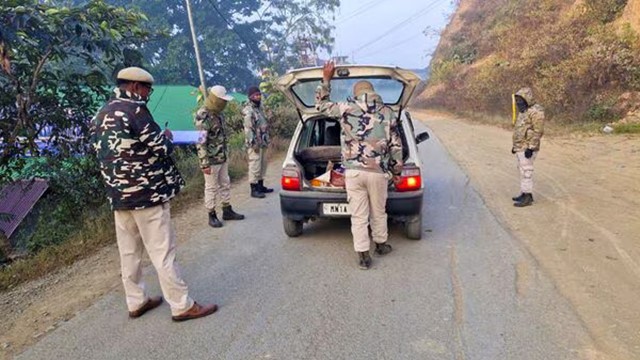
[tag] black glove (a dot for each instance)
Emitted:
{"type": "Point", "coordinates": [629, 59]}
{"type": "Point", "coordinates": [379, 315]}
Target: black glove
{"type": "Point", "coordinates": [528, 153]}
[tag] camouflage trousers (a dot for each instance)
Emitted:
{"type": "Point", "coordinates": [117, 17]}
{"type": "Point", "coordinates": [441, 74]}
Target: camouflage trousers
{"type": "Point", "coordinates": [217, 186]}
{"type": "Point", "coordinates": [150, 229]}
{"type": "Point", "coordinates": [367, 196]}
{"type": "Point", "coordinates": [525, 166]}
{"type": "Point", "coordinates": [257, 164]}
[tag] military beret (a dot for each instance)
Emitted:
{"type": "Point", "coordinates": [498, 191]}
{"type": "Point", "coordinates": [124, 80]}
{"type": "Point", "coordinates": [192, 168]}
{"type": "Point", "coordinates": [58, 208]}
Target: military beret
{"type": "Point", "coordinates": [135, 74]}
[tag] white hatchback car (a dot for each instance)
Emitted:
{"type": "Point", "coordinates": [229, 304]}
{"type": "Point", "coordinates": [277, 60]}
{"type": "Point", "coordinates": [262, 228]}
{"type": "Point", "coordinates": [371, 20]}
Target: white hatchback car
{"type": "Point", "coordinates": [307, 192]}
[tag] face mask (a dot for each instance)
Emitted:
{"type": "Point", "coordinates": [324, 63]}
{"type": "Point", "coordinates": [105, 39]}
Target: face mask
{"type": "Point", "coordinates": [521, 104]}
{"type": "Point", "coordinates": [257, 102]}
{"type": "Point", "coordinates": [214, 104]}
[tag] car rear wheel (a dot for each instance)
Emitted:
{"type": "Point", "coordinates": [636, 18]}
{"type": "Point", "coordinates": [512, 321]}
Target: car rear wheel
{"type": "Point", "coordinates": [292, 228]}
{"type": "Point", "coordinates": [413, 227]}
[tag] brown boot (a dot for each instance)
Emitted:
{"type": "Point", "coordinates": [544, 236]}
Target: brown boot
{"type": "Point", "coordinates": [150, 304]}
{"type": "Point", "coordinates": [196, 311]}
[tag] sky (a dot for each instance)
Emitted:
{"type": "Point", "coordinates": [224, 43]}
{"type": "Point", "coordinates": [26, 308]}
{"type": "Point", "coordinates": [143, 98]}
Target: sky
{"type": "Point", "coordinates": [390, 32]}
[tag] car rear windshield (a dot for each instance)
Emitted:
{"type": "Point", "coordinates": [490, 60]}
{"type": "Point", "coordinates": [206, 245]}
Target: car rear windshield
{"type": "Point", "coordinates": [341, 89]}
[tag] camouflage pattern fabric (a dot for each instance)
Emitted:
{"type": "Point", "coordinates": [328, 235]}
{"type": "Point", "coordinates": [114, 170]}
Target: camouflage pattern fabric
{"type": "Point", "coordinates": [212, 138]}
{"type": "Point", "coordinates": [369, 137]}
{"type": "Point", "coordinates": [133, 154]}
{"type": "Point", "coordinates": [256, 128]}
{"type": "Point", "coordinates": [529, 126]}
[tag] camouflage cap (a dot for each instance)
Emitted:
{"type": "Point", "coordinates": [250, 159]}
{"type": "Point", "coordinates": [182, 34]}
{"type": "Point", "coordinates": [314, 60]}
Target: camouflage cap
{"type": "Point", "coordinates": [135, 74]}
{"type": "Point", "coordinates": [362, 87]}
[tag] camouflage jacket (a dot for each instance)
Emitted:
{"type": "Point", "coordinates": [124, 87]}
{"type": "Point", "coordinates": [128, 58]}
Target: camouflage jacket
{"type": "Point", "coordinates": [369, 137]}
{"type": "Point", "coordinates": [212, 138]}
{"type": "Point", "coordinates": [529, 126]}
{"type": "Point", "coordinates": [256, 128]}
{"type": "Point", "coordinates": [133, 154]}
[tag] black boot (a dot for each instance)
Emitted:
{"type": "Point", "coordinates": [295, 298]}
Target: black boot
{"type": "Point", "coordinates": [255, 192]}
{"type": "Point", "coordinates": [229, 214]}
{"type": "Point", "coordinates": [526, 201]}
{"type": "Point", "coordinates": [263, 188]}
{"type": "Point", "coordinates": [383, 248]}
{"type": "Point", "coordinates": [518, 198]}
{"type": "Point", "coordinates": [364, 260]}
{"type": "Point", "coordinates": [213, 220]}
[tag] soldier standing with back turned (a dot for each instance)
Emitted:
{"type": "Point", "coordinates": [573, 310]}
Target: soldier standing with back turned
{"type": "Point", "coordinates": [371, 154]}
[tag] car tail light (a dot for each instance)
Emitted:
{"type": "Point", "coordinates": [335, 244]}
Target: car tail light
{"type": "Point", "coordinates": [410, 180]}
{"type": "Point", "coordinates": [291, 179]}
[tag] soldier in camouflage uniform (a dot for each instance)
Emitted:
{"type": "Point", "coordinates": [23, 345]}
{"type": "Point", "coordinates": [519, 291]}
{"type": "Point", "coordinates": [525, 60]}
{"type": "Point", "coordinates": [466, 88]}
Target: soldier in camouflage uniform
{"type": "Point", "coordinates": [212, 152]}
{"type": "Point", "coordinates": [140, 179]}
{"type": "Point", "coordinates": [371, 154]}
{"type": "Point", "coordinates": [528, 131]}
{"type": "Point", "coordinates": [256, 130]}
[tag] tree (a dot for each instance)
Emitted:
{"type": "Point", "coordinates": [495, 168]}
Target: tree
{"type": "Point", "coordinates": [56, 64]}
{"type": "Point", "coordinates": [228, 38]}
{"type": "Point", "coordinates": [235, 38]}
{"type": "Point", "coordinates": [294, 30]}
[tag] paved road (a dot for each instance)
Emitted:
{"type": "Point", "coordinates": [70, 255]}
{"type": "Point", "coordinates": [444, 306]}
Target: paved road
{"type": "Point", "coordinates": [468, 290]}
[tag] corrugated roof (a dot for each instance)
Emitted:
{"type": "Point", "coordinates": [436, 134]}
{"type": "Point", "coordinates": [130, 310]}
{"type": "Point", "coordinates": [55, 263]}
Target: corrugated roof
{"type": "Point", "coordinates": [17, 199]}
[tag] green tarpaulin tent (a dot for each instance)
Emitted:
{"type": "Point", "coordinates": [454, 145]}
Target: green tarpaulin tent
{"type": "Point", "coordinates": [175, 105]}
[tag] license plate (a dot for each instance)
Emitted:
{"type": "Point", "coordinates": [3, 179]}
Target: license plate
{"type": "Point", "coordinates": [335, 209]}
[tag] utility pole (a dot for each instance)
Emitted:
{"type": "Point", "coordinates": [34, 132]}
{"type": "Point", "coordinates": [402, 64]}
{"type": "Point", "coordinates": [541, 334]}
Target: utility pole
{"type": "Point", "coordinates": [195, 47]}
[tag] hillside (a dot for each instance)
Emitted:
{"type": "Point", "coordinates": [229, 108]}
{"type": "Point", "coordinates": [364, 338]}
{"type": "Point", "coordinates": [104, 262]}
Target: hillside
{"type": "Point", "coordinates": [581, 57]}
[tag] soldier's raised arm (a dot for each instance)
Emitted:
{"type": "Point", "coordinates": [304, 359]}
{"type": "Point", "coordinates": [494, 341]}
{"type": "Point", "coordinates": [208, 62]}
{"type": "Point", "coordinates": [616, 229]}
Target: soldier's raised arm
{"type": "Point", "coordinates": [323, 93]}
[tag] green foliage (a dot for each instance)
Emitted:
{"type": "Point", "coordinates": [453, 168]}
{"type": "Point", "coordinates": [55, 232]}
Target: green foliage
{"type": "Point", "coordinates": [234, 118]}
{"type": "Point", "coordinates": [228, 49]}
{"type": "Point", "coordinates": [605, 10]}
{"type": "Point", "coordinates": [600, 112]}
{"type": "Point", "coordinates": [295, 29]}
{"type": "Point", "coordinates": [56, 62]}
{"type": "Point", "coordinates": [283, 121]}
{"type": "Point", "coordinates": [235, 37]}
{"type": "Point", "coordinates": [443, 70]}
{"type": "Point", "coordinates": [61, 211]}
{"type": "Point", "coordinates": [627, 129]}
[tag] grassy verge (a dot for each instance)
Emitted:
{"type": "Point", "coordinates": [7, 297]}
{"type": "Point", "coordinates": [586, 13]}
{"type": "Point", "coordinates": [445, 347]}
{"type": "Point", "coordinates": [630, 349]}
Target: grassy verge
{"type": "Point", "coordinates": [97, 230]}
{"type": "Point", "coordinates": [627, 129]}
{"type": "Point", "coordinates": [551, 128]}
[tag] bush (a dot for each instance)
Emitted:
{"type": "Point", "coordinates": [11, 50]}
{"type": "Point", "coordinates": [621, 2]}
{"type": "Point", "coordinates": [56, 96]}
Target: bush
{"type": "Point", "coordinates": [627, 129]}
{"type": "Point", "coordinates": [75, 191]}
{"type": "Point", "coordinates": [605, 10]}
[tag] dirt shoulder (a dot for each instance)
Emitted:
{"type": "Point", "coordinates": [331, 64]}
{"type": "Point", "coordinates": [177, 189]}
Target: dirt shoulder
{"type": "Point", "coordinates": [584, 228]}
{"type": "Point", "coordinates": [34, 309]}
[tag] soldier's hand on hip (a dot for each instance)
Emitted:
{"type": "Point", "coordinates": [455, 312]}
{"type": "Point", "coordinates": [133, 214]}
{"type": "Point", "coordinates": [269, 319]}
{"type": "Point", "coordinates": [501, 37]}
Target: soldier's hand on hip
{"type": "Point", "coordinates": [207, 170]}
{"type": "Point", "coordinates": [528, 153]}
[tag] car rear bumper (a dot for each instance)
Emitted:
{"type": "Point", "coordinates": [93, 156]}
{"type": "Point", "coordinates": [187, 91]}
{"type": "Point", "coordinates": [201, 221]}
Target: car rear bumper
{"type": "Point", "coordinates": [299, 205]}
